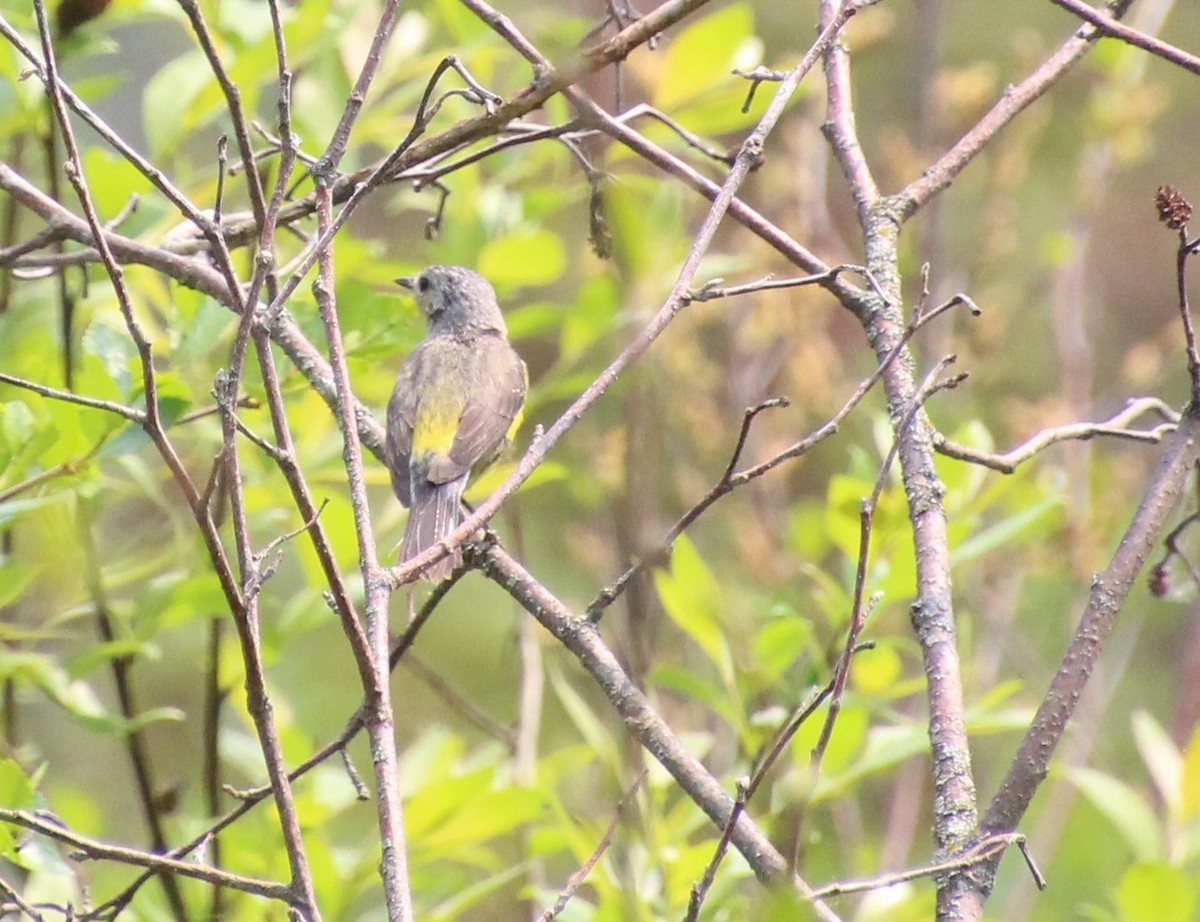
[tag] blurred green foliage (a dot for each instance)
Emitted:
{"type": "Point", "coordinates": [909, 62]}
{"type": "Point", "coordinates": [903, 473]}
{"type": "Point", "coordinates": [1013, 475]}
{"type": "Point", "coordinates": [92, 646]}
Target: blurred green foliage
{"type": "Point", "coordinates": [750, 612]}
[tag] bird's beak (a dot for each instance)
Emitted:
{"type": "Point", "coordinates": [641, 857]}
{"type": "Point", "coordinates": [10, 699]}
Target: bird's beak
{"type": "Point", "coordinates": [406, 282]}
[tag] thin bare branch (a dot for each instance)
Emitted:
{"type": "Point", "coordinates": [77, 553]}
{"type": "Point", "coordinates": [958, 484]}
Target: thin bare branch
{"type": "Point", "coordinates": [91, 848]}
{"type": "Point", "coordinates": [732, 478]}
{"type": "Point", "coordinates": [10, 893]}
{"type": "Point", "coordinates": [839, 127]}
{"type": "Point", "coordinates": [582, 639]}
{"type": "Point", "coordinates": [1015, 100]}
{"type": "Point", "coordinates": [1109, 591]}
{"type": "Point", "coordinates": [1103, 20]}
{"type": "Point", "coordinates": [576, 880]}
{"type": "Point", "coordinates": [711, 290]}
{"type": "Point", "coordinates": [1116, 426]}
{"type": "Point", "coordinates": [132, 414]}
{"type": "Point", "coordinates": [989, 848]}
{"type": "Point", "coordinates": [700, 888]}
{"type": "Point", "coordinates": [676, 301]}
{"type": "Point", "coordinates": [378, 714]}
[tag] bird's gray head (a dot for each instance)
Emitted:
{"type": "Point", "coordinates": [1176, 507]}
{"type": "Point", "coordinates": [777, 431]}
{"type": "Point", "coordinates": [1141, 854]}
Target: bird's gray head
{"type": "Point", "coordinates": [453, 298]}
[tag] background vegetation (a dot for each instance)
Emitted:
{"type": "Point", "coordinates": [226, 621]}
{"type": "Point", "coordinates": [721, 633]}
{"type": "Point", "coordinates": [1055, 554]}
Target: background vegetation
{"type": "Point", "coordinates": [123, 675]}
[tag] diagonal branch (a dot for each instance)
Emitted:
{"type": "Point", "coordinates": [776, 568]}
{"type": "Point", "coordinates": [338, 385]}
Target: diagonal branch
{"type": "Point", "coordinates": [1014, 101]}
{"type": "Point", "coordinates": [1109, 592]}
{"type": "Point", "coordinates": [677, 300]}
{"type": "Point", "coordinates": [582, 639]}
{"type": "Point", "coordinates": [1106, 24]}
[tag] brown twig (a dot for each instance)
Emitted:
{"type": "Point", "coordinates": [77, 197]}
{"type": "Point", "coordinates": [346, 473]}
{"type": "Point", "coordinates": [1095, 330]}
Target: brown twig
{"type": "Point", "coordinates": [460, 705]}
{"type": "Point", "coordinates": [44, 69]}
{"type": "Point", "coordinates": [839, 126]}
{"type": "Point", "coordinates": [583, 640]}
{"type": "Point", "coordinates": [692, 140]}
{"type": "Point", "coordinates": [1175, 211]}
{"type": "Point", "coordinates": [700, 888]}
{"type": "Point", "coordinates": [986, 850]}
{"type": "Point", "coordinates": [731, 479]}
{"type": "Point", "coordinates": [860, 607]}
{"type": "Point", "coordinates": [1109, 591]}
{"type": "Point", "coordinates": [66, 469]}
{"type": "Point", "coordinates": [1107, 25]}
{"type": "Point", "coordinates": [379, 717]}
{"type": "Point", "coordinates": [761, 765]}
{"type": "Point", "coordinates": [757, 77]}
{"type": "Point", "coordinates": [252, 574]}
{"type": "Point", "coordinates": [1016, 99]}
{"type": "Point", "coordinates": [151, 420]}
{"type": "Point", "coordinates": [576, 880]}
{"type": "Point", "coordinates": [233, 105]}
{"type": "Point", "coordinates": [750, 149]}
{"type": "Point", "coordinates": [302, 897]}
{"type": "Point", "coordinates": [135, 742]}
{"type": "Point", "coordinates": [249, 799]}
{"type": "Point", "coordinates": [711, 290]}
{"type": "Point", "coordinates": [325, 173]}
{"type": "Point", "coordinates": [92, 849]}
{"type": "Point", "coordinates": [1116, 426]}
{"type": "Point", "coordinates": [10, 893]}
{"type": "Point", "coordinates": [615, 127]}
{"type": "Point", "coordinates": [132, 414]}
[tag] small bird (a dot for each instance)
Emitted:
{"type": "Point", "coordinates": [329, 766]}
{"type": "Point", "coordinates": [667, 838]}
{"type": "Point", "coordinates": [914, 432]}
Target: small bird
{"type": "Point", "coordinates": [456, 405]}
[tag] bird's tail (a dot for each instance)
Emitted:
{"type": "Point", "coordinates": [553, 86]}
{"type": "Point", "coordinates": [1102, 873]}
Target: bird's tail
{"type": "Point", "coordinates": [436, 512]}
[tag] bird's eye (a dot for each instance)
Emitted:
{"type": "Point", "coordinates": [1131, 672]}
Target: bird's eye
{"type": "Point", "coordinates": [422, 285]}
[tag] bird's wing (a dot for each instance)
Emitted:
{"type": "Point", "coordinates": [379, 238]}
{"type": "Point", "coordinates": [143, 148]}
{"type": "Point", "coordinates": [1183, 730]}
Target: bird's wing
{"type": "Point", "coordinates": [401, 418]}
{"type": "Point", "coordinates": [492, 409]}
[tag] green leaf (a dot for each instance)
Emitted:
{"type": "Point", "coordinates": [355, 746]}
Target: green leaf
{"type": "Point", "coordinates": [687, 682]}
{"type": "Point", "coordinates": [101, 654]}
{"type": "Point", "coordinates": [703, 54]}
{"type": "Point", "coordinates": [1155, 891]}
{"type": "Point", "coordinates": [843, 523]}
{"type": "Point", "coordinates": [16, 793]}
{"type": "Point", "coordinates": [590, 727]}
{"type": "Point", "coordinates": [1163, 760]}
{"type": "Point", "coordinates": [876, 672]}
{"type": "Point", "coordinates": [467, 897]}
{"type": "Point", "coordinates": [645, 217]}
{"type": "Point", "coordinates": [531, 257]}
{"type": "Point", "coordinates": [17, 577]}
{"type": "Point", "coordinates": [1125, 808]}
{"type": "Point", "coordinates": [483, 817]}
{"type": "Point", "coordinates": [153, 715]}
{"type": "Point", "coordinates": [538, 318]}
{"type": "Point", "coordinates": [208, 327]}
{"type": "Point", "coordinates": [1190, 779]}
{"type": "Point", "coordinates": [436, 803]}
{"type": "Point", "coordinates": [167, 101]}
{"type": "Point", "coordinates": [17, 424]}
{"type": "Point", "coordinates": [847, 745]}
{"type": "Point", "coordinates": [1006, 531]}
{"type": "Point", "coordinates": [113, 180]}
{"type": "Point", "coordinates": [590, 319]}
{"type": "Point", "coordinates": [779, 643]}
{"type": "Point", "coordinates": [883, 748]}
{"type": "Point", "coordinates": [24, 437]}
{"type": "Point", "coordinates": [547, 472]}
{"type": "Point", "coordinates": [174, 396]}
{"type": "Point", "coordinates": [117, 355]}
{"type": "Point", "coordinates": [16, 788]}
{"type": "Point", "coordinates": [692, 599]}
